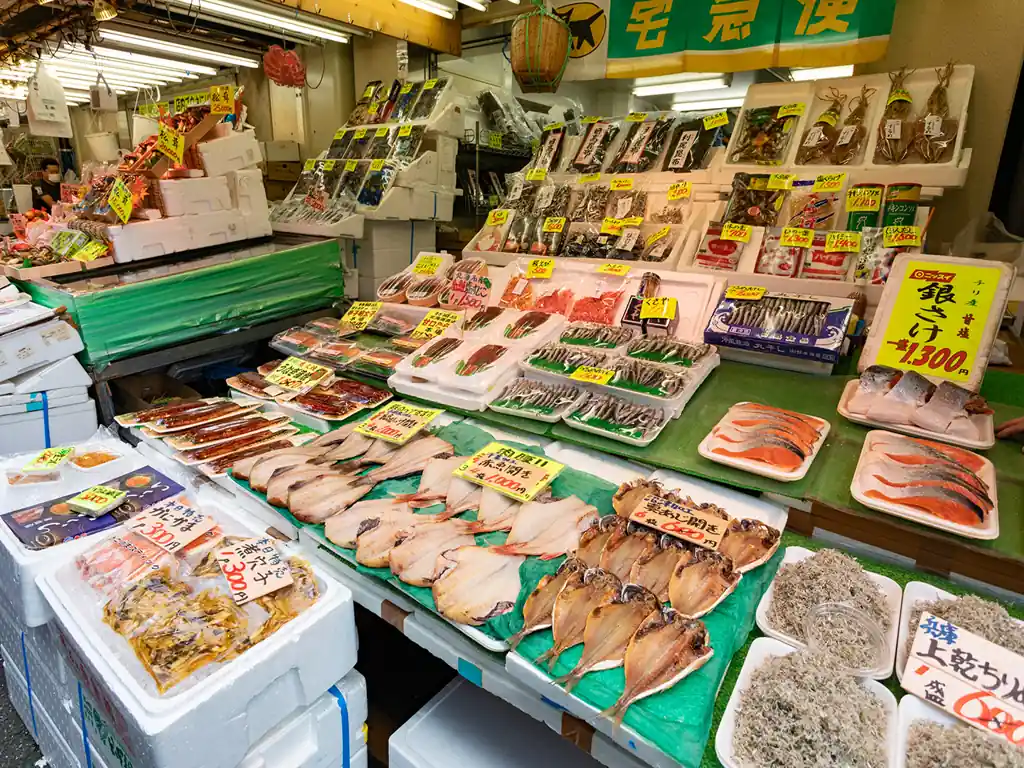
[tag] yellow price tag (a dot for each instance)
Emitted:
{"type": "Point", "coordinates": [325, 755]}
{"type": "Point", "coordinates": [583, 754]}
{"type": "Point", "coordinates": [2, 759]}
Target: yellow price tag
{"type": "Point", "coordinates": [49, 460]}
{"type": "Point", "coordinates": [781, 180]}
{"type": "Point", "coordinates": [368, 93]}
{"type": "Point", "coordinates": [792, 110]}
{"type": "Point", "coordinates": [829, 182]}
{"type": "Point", "coordinates": [498, 217]}
{"type": "Point", "coordinates": [398, 422]}
{"type": "Point", "coordinates": [340, 134]}
{"type": "Point", "coordinates": [309, 165]}
{"type": "Point", "coordinates": [633, 221]}
{"type": "Point", "coordinates": [745, 292]}
{"type": "Point", "coordinates": [514, 473]}
{"type": "Point", "coordinates": [611, 226]}
{"type": "Point", "coordinates": [592, 375]}
{"type": "Point", "coordinates": [426, 264]}
{"type": "Point", "coordinates": [622, 184]}
{"type": "Point", "coordinates": [679, 190]}
{"type": "Point", "coordinates": [716, 120]}
{"type": "Point", "coordinates": [434, 323]}
{"type": "Point", "coordinates": [407, 88]}
{"type": "Point", "coordinates": [90, 251]}
{"type": "Point", "coordinates": [330, 164]}
{"type": "Point", "coordinates": [554, 126]}
{"type": "Point", "coordinates": [614, 268]}
{"type": "Point", "coordinates": [97, 500]}
{"type": "Point", "coordinates": [298, 375]}
{"type": "Point", "coordinates": [636, 117]}
{"type": "Point", "coordinates": [494, 140]}
{"type": "Point", "coordinates": [377, 165]}
{"type": "Point", "coordinates": [360, 133]}
{"type": "Point", "coordinates": [170, 143]}
{"type": "Point", "coordinates": [796, 237]}
{"type": "Point", "coordinates": [120, 200]}
{"type": "Point", "coordinates": [381, 132]}
{"type": "Point", "coordinates": [351, 165]}
{"type": "Point", "coordinates": [864, 199]}
{"type": "Point", "coordinates": [654, 237]}
{"type": "Point", "coordinates": [405, 130]}
{"type": "Point", "coordinates": [901, 237]}
{"type": "Point", "coordinates": [741, 233]}
{"type": "Point", "coordinates": [658, 308]}
{"type": "Point", "coordinates": [842, 242]}
{"type": "Point", "coordinates": [554, 224]}
{"type": "Point", "coordinates": [540, 268]}
{"type": "Point", "coordinates": [430, 84]}
{"type": "Point", "coordinates": [588, 178]}
{"type": "Point", "coordinates": [537, 174]}
{"type": "Point", "coordinates": [360, 314]}
{"type": "Point", "coordinates": [899, 94]}
{"type": "Point", "coordinates": [222, 100]}
{"type": "Point", "coordinates": [590, 120]}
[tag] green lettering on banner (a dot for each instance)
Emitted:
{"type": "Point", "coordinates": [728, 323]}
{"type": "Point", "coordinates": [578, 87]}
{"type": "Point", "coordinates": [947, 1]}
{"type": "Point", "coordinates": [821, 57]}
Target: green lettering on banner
{"type": "Point", "coordinates": [101, 733]}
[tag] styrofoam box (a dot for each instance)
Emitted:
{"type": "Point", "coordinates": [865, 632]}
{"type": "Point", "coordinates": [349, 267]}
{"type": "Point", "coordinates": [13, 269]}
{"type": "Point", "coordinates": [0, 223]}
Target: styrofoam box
{"type": "Point", "coordinates": [37, 345]}
{"type": "Point", "coordinates": [35, 401]}
{"type": "Point", "coordinates": [388, 247]}
{"type": "Point", "coordinates": [403, 203]}
{"type": "Point", "coordinates": [214, 721]}
{"type": "Point", "coordinates": [248, 194]}
{"type": "Point", "coordinates": [148, 239]}
{"type": "Point", "coordinates": [63, 374]}
{"type": "Point", "coordinates": [215, 228]}
{"type": "Point", "coordinates": [232, 153]}
{"type": "Point", "coordinates": [463, 725]}
{"type": "Point", "coordinates": [12, 318]}
{"type": "Point", "coordinates": [62, 424]}
{"type": "Point", "coordinates": [207, 194]}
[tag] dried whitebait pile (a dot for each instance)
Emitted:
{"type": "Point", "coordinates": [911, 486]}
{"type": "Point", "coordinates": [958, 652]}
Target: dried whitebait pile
{"type": "Point", "coordinates": [829, 577]}
{"type": "Point", "coordinates": [931, 745]}
{"type": "Point", "coordinates": [799, 713]}
{"type": "Point", "coordinates": [982, 617]}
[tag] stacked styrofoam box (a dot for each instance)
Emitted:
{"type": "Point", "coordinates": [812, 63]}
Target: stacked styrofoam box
{"type": "Point", "coordinates": [388, 247]}
{"type": "Point", "coordinates": [218, 720]}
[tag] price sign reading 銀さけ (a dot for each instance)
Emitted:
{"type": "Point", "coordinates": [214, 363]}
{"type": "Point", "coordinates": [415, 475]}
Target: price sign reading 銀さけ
{"type": "Point", "coordinates": [514, 473]}
{"type": "Point", "coordinates": [938, 320]}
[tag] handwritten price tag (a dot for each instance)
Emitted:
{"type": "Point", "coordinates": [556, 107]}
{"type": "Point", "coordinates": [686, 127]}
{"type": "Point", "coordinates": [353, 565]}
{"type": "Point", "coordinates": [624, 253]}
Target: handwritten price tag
{"type": "Point", "coordinates": [588, 178]}
{"type": "Point", "coordinates": [622, 184]}
{"type": "Point", "coordinates": [171, 524]}
{"type": "Point", "coordinates": [406, 130]}
{"type": "Point", "coordinates": [679, 190]}
{"type": "Point", "coordinates": [377, 165]}
{"type": "Point", "coordinates": [171, 143]}
{"type": "Point", "coordinates": [685, 523]}
{"type": "Point", "coordinates": [222, 100]}
{"type": "Point", "coordinates": [90, 251]}
{"type": "Point", "coordinates": [298, 375]}
{"type": "Point", "coordinates": [120, 200]}
{"type": "Point", "coordinates": [792, 110]}
{"type": "Point", "coordinates": [340, 134]}
{"type": "Point", "coordinates": [636, 117]}
{"type": "Point", "coordinates": [654, 237]}
{"type": "Point", "coordinates": [494, 140]}
{"type": "Point", "coordinates": [741, 233]}
{"type": "Point", "coordinates": [540, 268]}
{"type": "Point", "coordinates": [716, 120]}
{"type": "Point", "coordinates": [426, 264]}
{"type": "Point", "coordinates": [864, 199]}
{"type": "Point", "coordinates": [97, 500]}
{"type": "Point", "coordinates": [398, 422]}
{"type": "Point", "coordinates": [537, 174]}
{"type": "Point", "coordinates": [516, 474]}
{"type": "Point", "coordinates": [498, 217]}
{"type": "Point", "coordinates": [592, 375]}
{"type": "Point", "coordinates": [746, 292]}
{"type": "Point", "coordinates": [590, 120]}
{"type": "Point", "coordinates": [901, 237]}
{"type": "Point", "coordinates": [796, 237]}
{"type": "Point", "coordinates": [619, 270]}
{"type": "Point", "coordinates": [360, 133]}
{"type": "Point", "coordinates": [49, 460]}
{"type": "Point", "coordinates": [309, 165]}
{"type": "Point", "coordinates": [658, 308]}
{"type": "Point", "coordinates": [554, 126]}
{"type": "Point", "coordinates": [351, 165]}
{"type": "Point", "coordinates": [829, 182]}
{"type": "Point", "coordinates": [842, 242]}
{"type": "Point", "coordinates": [554, 224]}
{"type": "Point", "coordinates": [253, 569]}
{"type": "Point", "coordinates": [781, 180]}
{"type": "Point", "coordinates": [611, 226]}
{"type": "Point", "coordinates": [434, 323]}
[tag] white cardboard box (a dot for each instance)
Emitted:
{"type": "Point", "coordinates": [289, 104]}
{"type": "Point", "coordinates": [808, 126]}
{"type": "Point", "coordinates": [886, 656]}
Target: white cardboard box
{"type": "Point", "coordinates": [231, 153]}
{"type": "Point", "coordinates": [215, 228]}
{"type": "Point", "coordinates": [35, 346]}
{"type": "Point", "coordinates": [42, 401]}
{"type": "Point", "coordinates": [38, 429]}
{"type": "Point", "coordinates": [207, 194]}
{"type": "Point", "coordinates": [280, 151]}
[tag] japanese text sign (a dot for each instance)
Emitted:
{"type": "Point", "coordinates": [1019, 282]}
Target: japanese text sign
{"type": "Point", "coordinates": [679, 190]}
{"type": "Point", "coordinates": [397, 422]}
{"type": "Point", "coordinates": [610, 226]}
{"type": "Point", "coordinates": [842, 242]}
{"type": "Point", "coordinates": [901, 237]}
{"type": "Point", "coordinates": [618, 269]}
{"type": "Point", "coordinates": [537, 174]}
{"type": "Point", "coordinates": [686, 523]}
{"type": "Point", "coordinates": [426, 264]}
{"type": "Point", "coordinates": [171, 143]}
{"type": "Point", "coordinates": [540, 268]}
{"type": "Point", "coordinates": [864, 199]}
{"type": "Point", "coordinates": [360, 314]}
{"type": "Point", "coordinates": [796, 237]}
{"type": "Point", "coordinates": [498, 217]}
{"type": "Point", "coordinates": [514, 473]}
{"type": "Point", "coordinates": [741, 233]}
{"type": "Point", "coordinates": [781, 180]}
{"type": "Point", "coordinates": [592, 375]}
{"type": "Point", "coordinates": [171, 524]}
{"type": "Point", "coordinates": [938, 319]}
{"type": "Point", "coordinates": [120, 200]}
{"type": "Point", "coordinates": [222, 100]}
{"type": "Point", "coordinates": [658, 308]}
{"type": "Point", "coordinates": [97, 500]}
{"type": "Point", "coordinates": [554, 224]}
{"type": "Point", "coordinates": [745, 292]}
{"type": "Point", "coordinates": [829, 182]}
{"type": "Point", "coordinates": [968, 676]}
{"type": "Point", "coordinates": [49, 460]}
{"type": "Point", "coordinates": [716, 120]}
{"type": "Point", "coordinates": [622, 184]}
{"type": "Point", "coordinates": [434, 323]}
{"type": "Point", "coordinates": [298, 375]}
{"type": "Point", "coordinates": [90, 251]}
{"type": "Point", "coordinates": [253, 569]}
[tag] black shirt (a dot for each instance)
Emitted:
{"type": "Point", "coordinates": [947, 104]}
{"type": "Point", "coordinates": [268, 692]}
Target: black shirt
{"type": "Point", "coordinates": [45, 187]}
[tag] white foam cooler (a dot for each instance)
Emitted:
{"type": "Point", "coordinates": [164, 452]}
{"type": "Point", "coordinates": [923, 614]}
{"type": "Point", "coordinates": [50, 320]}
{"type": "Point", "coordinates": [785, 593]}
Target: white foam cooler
{"type": "Point", "coordinates": [183, 197]}
{"type": "Point", "coordinates": [209, 721]}
{"type": "Point", "coordinates": [35, 346]}
{"type": "Point", "coordinates": [466, 726]}
{"type": "Point", "coordinates": [46, 423]}
{"type": "Point", "coordinates": [234, 152]}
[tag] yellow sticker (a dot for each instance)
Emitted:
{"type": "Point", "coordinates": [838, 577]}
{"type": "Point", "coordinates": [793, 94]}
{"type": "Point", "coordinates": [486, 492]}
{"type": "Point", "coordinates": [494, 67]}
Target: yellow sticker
{"type": "Point", "coordinates": [716, 120]}
{"type": "Point", "coordinates": [899, 94]}
{"type": "Point", "coordinates": [98, 499]}
{"type": "Point", "coordinates": [792, 110]}
{"type": "Point", "coordinates": [901, 237]}
{"type": "Point", "coordinates": [739, 232]}
{"type": "Point", "coordinates": [514, 473]}
{"type": "Point", "coordinates": [614, 268]}
{"type": "Point", "coordinates": [120, 200]}
{"type": "Point", "coordinates": [540, 268]}
{"type": "Point", "coordinates": [796, 237]}
{"type": "Point", "coordinates": [405, 130]}
{"type": "Point", "coordinates": [654, 237]}
{"type": "Point", "coordinates": [781, 180]}
{"type": "Point", "coordinates": [588, 178]}
{"type": "Point", "coordinates": [680, 190]}
{"type": "Point", "coordinates": [498, 217]}
{"type": "Point", "coordinates": [842, 242]}
{"type": "Point", "coordinates": [537, 174]}
{"type": "Point", "coordinates": [222, 100]}
{"type": "Point", "coordinates": [611, 226]}
{"type": "Point", "coordinates": [340, 134]}
{"type": "Point", "coordinates": [407, 88]}
{"type": "Point", "coordinates": [829, 182]}
{"type": "Point", "coordinates": [427, 264]}
{"type": "Point", "coordinates": [554, 224]}
{"type": "Point", "coordinates": [658, 308]}
{"type": "Point", "coordinates": [90, 251]}
{"type": "Point", "coordinates": [309, 165]}
{"type": "Point", "coordinates": [376, 165]}
{"type": "Point", "coordinates": [864, 199]}
{"type": "Point", "coordinates": [351, 165]}
{"type": "Point", "coordinates": [49, 460]}
{"type": "Point", "coordinates": [360, 314]}
{"type": "Point", "coordinates": [329, 165]}
{"type": "Point", "coordinates": [745, 292]}
{"type": "Point", "coordinates": [368, 93]}
{"type": "Point", "coordinates": [398, 422]}
{"type": "Point", "coordinates": [622, 184]}
{"type": "Point", "coordinates": [360, 133]}
{"type": "Point", "coordinates": [636, 117]}
{"type": "Point", "coordinates": [554, 126]}
{"type": "Point", "coordinates": [171, 143]}
{"type": "Point", "coordinates": [381, 132]}
{"type": "Point", "coordinates": [938, 319]}
{"type": "Point", "coordinates": [633, 221]}
{"type": "Point", "coordinates": [435, 323]}
{"type": "Point", "coordinates": [430, 84]}
{"type": "Point", "coordinates": [494, 140]}
{"type": "Point", "coordinates": [592, 375]}
{"type": "Point", "coordinates": [298, 375]}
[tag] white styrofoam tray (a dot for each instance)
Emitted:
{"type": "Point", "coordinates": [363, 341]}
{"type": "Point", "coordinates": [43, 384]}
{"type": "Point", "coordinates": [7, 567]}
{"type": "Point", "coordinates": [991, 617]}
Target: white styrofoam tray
{"type": "Point", "coordinates": [232, 705]}
{"type": "Point", "coordinates": [450, 395]}
{"type": "Point", "coordinates": [911, 710]}
{"type": "Point", "coordinates": [639, 442]}
{"type": "Point", "coordinates": [984, 421]}
{"type": "Point", "coordinates": [757, 467]}
{"type": "Point", "coordinates": [990, 530]}
{"type": "Point", "coordinates": [500, 434]}
{"type": "Point", "coordinates": [550, 418]}
{"type": "Point", "coordinates": [610, 468]}
{"type": "Point", "coordinates": [760, 651]}
{"type": "Point", "coordinates": [891, 590]}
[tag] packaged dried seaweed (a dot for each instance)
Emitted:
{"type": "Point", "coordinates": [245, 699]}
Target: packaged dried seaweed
{"type": "Point", "coordinates": [764, 134]}
{"type": "Point", "coordinates": [407, 96]}
{"type": "Point", "coordinates": [548, 220]}
{"type": "Point", "coordinates": [585, 244]}
{"type": "Point", "coordinates": [406, 144]}
{"type": "Point", "coordinates": [593, 148]}
{"type": "Point", "coordinates": [360, 144]}
{"type": "Point", "coordinates": [818, 140]}
{"type": "Point", "coordinates": [643, 145]}
{"type": "Point", "coordinates": [549, 153]}
{"type": "Point", "coordinates": [850, 144]}
{"type": "Point", "coordinates": [339, 145]}
{"type": "Point", "coordinates": [591, 204]}
{"type": "Point", "coordinates": [430, 95]}
{"type": "Point", "coordinates": [689, 147]}
{"type": "Point", "coordinates": [378, 181]}
{"type": "Point", "coordinates": [896, 129]}
{"type": "Point", "coordinates": [752, 203]}
{"type": "Point", "coordinates": [381, 142]}
{"type": "Point", "coordinates": [935, 133]}
{"type": "Point", "coordinates": [360, 114]}
{"type": "Point", "coordinates": [353, 172]}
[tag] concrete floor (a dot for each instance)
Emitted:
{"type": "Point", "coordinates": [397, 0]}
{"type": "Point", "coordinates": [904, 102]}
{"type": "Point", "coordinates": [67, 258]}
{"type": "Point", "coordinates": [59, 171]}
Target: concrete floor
{"type": "Point", "coordinates": [17, 749]}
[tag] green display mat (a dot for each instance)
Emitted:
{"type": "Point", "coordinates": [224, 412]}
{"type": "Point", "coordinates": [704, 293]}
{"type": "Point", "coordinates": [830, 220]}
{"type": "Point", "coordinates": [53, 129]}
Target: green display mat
{"type": "Point", "coordinates": [244, 287]}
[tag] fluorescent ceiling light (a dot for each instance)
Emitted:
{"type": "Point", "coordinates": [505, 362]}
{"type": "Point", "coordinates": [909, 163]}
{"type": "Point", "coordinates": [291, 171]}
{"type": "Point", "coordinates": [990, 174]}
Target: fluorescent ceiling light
{"type": "Point", "coordinates": [139, 58]}
{"type": "Point", "coordinates": [83, 71]}
{"type": "Point", "coordinates": [247, 13]}
{"type": "Point", "coordinates": [693, 106]}
{"type": "Point", "coordinates": [822, 73]}
{"type": "Point", "coordinates": [682, 77]}
{"type": "Point", "coordinates": [432, 7]}
{"type": "Point", "coordinates": [218, 57]}
{"type": "Point", "coordinates": [105, 64]}
{"type": "Point", "coordinates": [474, 4]}
{"type": "Point", "coordinates": [684, 86]}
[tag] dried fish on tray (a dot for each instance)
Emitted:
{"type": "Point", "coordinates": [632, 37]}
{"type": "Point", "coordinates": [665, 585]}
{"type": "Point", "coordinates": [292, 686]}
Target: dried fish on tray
{"type": "Point", "coordinates": [181, 421]}
{"type": "Point", "coordinates": [660, 349]}
{"type": "Point", "coordinates": [539, 400]}
{"type": "Point", "coordinates": [378, 363]}
{"type": "Point", "coordinates": [618, 419]}
{"type": "Point", "coordinates": [596, 335]}
{"type": "Point", "coordinates": [326, 405]}
{"type": "Point", "coordinates": [648, 378]}
{"type": "Point", "coordinates": [226, 448]}
{"type": "Point", "coordinates": [564, 359]}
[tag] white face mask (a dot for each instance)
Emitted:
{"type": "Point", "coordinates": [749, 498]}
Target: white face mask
{"type": "Point", "coordinates": [53, 178]}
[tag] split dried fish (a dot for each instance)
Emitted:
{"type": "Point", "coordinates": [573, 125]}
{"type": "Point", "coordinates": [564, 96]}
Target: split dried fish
{"type": "Point", "coordinates": [654, 568]}
{"type": "Point", "coordinates": [343, 528]}
{"type": "Point", "coordinates": [700, 584]}
{"type": "Point", "coordinates": [415, 559]}
{"type": "Point", "coordinates": [539, 606]}
{"type": "Point", "coordinates": [315, 500]}
{"type": "Point", "coordinates": [548, 529]}
{"type": "Point", "coordinates": [749, 543]}
{"type": "Point", "coordinates": [434, 482]}
{"type": "Point", "coordinates": [410, 459]}
{"type": "Point", "coordinates": [476, 584]}
{"type": "Point", "coordinates": [660, 349]}
{"type": "Point", "coordinates": [264, 468]}
{"type": "Point", "coordinates": [353, 446]}
{"type": "Point", "coordinates": [378, 452]}
{"type": "Point", "coordinates": [497, 512]}
{"type": "Point", "coordinates": [593, 539]}
{"type": "Point", "coordinates": [582, 593]}
{"type": "Point", "coordinates": [243, 467]}
{"type": "Point", "coordinates": [282, 480]}
{"type": "Point", "coordinates": [624, 547]}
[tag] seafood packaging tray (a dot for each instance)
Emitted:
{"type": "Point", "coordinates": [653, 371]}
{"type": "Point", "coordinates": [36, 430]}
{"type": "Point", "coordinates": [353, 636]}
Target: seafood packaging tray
{"type": "Point", "coordinates": [911, 710]}
{"type": "Point", "coordinates": [893, 596]}
{"type": "Point", "coordinates": [758, 467]}
{"type": "Point", "coordinates": [988, 531]}
{"type": "Point", "coordinates": [449, 395]}
{"type": "Point", "coordinates": [985, 423]}
{"type": "Point", "coordinates": [760, 650]}
{"type": "Point", "coordinates": [235, 704]}
{"type": "Point", "coordinates": [640, 442]}
{"type": "Point", "coordinates": [527, 413]}
{"type": "Point", "coordinates": [611, 468]}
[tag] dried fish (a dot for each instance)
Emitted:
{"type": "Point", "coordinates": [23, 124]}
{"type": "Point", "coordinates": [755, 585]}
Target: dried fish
{"type": "Point", "coordinates": [562, 358]}
{"type": "Point", "coordinates": [539, 606]}
{"type": "Point", "coordinates": [670, 351]}
{"type": "Point", "coordinates": [476, 584]}
{"type": "Point", "coordinates": [648, 378]}
{"type": "Point", "coordinates": [537, 397]}
{"type": "Point", "coordinates": [749, 543]}
{"type": "Point", "coordinates": [582, 593]}
{"type": "Point", "coordinates": [619, 417]}
{"type": "Point", "coordinates": [593, 539]}
{"type": "Point", "coordinates": [415, 559]}
{"type": "Point", "coordinates": [654, 568]}
{"type": "Point", "coordinates": [315, 500]}
{"type": "Point", "coordinates": [895, 129]}
{"type": "Point", "coordinates": [626, 544]}
{"type": "Point", "coordinates": [702, 583]}
{"type": "Point", "coordinates": [410, 459]}
{"type": "Point", "coordinates": [778, 314]}
{"type": "Point", "coordinates": [596, 335]}
{"type": "Point", "coordinates": [548, 528]}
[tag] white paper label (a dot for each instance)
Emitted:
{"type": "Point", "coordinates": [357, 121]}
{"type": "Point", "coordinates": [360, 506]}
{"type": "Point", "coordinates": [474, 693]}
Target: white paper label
{"type": "Point", "coordinates": [933, 125]}
{"type": "Point", "coordinates": [814, 136]}
{"type": "Point", "coordinates": [893, 129]}
{"type": "Point", "coordinates": [171, 524]}
{"type": "Point", "coordinates": [628, 239]}
{"type": "Point", "coordinates": [623, 207]}
{"type": "Point", "coordinates": [544, 197]}
{"type": "Point", "coordinates": [517, 190]}
{"type": "Point", "coordinates": [253, 568]}
{"type": "Point", "coordinates": [846, 135]}
{"type": "Point", "coordinates": [682, 150]}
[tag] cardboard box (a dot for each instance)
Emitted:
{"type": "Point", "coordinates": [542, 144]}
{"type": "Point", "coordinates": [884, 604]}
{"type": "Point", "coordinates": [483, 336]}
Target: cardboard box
{"type": "Point", "coordinates": [289, 171]}
{"type": "Point", "coordinates": [147, 390]}
{"type": "Point", "coordinates": [277, 190]}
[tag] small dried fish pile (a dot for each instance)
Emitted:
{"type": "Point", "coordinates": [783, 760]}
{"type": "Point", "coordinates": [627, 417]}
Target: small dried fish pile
{"type": "Point", "coordinates": [774, 314]}
{"type": "Point", "coordinates": [648, 378]}
{"type": "Point", "coordinates": [537, 397]}
{"type": "Point", "coordinates": [596, 335]}
{"type": "Point", "coordinates": [669, 351]}
{"type": "Point", "coordinates": [799, 712]}
{"type": "Point", "coordinates": [982, 617]}
{"type": "Point", "coordinates": [618, 417]}
{"type": "Point", "coordinates": [933, 745]}
{"type": "Point", "coordinates": [829, 577]}
{"type": "Point", "coordinates": [561, 358]}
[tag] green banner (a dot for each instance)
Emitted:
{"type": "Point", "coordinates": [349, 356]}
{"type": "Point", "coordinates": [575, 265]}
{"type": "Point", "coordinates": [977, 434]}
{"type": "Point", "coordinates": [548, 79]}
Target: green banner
{"type": "Point", "coordinates": [636, 38]}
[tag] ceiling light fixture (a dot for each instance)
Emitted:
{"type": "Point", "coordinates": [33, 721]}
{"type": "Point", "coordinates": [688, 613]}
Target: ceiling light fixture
{"type": "Point", "coordinates": [248, 13]}
{"type": "Point", "coordinates": [103, 11]}
{"type": "Point", "coordinates": [139, 58]}
{"type": "Point", "coordinates": [685, 86]}
{"type": "Point", "coordinates": [475, 4]}
{"type": "Point", "coordinates": [188, 51]}
{"type": "Point", "coordinates": [694, 106]}
{"type": "Point", "coordinates": [821, 73]}
{"type": "Point", "coordinates": [436, 8]}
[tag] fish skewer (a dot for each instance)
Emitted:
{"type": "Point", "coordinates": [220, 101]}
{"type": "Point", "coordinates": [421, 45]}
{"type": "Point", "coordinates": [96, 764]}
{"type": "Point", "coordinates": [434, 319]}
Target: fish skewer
{"type": "Point", "coordinates": [539, 606]}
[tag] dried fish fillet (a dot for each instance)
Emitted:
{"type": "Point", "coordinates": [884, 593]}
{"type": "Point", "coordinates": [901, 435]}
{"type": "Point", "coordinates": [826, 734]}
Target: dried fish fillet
{"type": "Point", "coordinates": [540, 605]}
{"type": "Point", "coordinates": [476, 584]}
{"type": "Point", "coordinates": [582, 593]}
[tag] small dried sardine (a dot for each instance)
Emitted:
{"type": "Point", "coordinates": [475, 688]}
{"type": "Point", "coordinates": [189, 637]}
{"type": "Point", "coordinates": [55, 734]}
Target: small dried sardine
{"type": "Point", "coordinates": [618, 416]}
{"type": "Point", "coordinates": [596, 335]}
{"type": "Point", "coordinates": [564, 358]}
{"type": "Point", "coordinates": [670, 351]}
{"type": "Point", "coordinates": [648, 378]}
{"type": "Point", "coordinates": [537, 396]}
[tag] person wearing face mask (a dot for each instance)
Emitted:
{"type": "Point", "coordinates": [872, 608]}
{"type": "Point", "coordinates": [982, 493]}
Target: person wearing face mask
{"type": "Point", "coordinates": [46, 192]}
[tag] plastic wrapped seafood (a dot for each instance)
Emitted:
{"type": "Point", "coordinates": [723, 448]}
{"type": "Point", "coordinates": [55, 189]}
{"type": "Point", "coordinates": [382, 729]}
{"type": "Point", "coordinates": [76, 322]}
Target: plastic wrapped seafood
{"type": "Point", "coordinates": [430, 94]}
{"type": "Point", "coordinates": [752, 203]}
{"type": "Point", "coordinates": [377, 363]}
{"type": "Point", "coordinates": [529, 326]}
{"type": "Point", "coordinates": [591, 204]}
{"type": "Point", "coordinates": [481, 320]}
{"type": "Point", "coordinates": [669, 351]}
{"type": "Point", "coordinates": [600, 303]}
{"type": "Point", "coordinates": [896, 129]}
{"type": "Point", "coordinates": [405, 102]}
{"type": "Point", "coordinates": [548, 221]}
{"type": "Point", "coordinates": [935, 133]}
{"type": "Point", "coordinates": [818, 141]}
{"type": "Point", "coordinates": [426, 292]}
{"type": "Point", "coordinates": [596, 335]}
{"type": "Point", "coordinates": [618, 419]}
{"type": "Point", "coordinates": [360, 114]}
{"type": "Point", "coordinates": [648, 378]}
{"type": "Point", "coordinates": [628, 204]}
{"type": "Point", "coordinates": [437, 351]}
{"type": "Point", "coordinates": [378, 181]}
{"type": "Point", "coordinates": [537, 399]}
{"type": "Point", "coordinates": [851, 141]}
{"type": "Point", "coordinates": [480, 360]}
{"type": "Point", "coordinates": [564, 359]}
{"type": "Point", "coordinates": [658, 245]}
{"type": "Point", "coordinates": [689, 148]}
{"type": "Point", "coordinates": [808, 209]}
{"type": "Point", "coordinates": [495, 230]}
{"type": "Point", "coordinates": [382, 143]}
{"type": "Point", "coordinates": [763, 136]}
{"type": "Point", "coordinates": [506, 115]}
{"type": "Point", "coordinates": [642, 146]}
{"type": "Point", "coordinates": [593, 148]}
{"type": "Point", "coordinates": [588, 244]}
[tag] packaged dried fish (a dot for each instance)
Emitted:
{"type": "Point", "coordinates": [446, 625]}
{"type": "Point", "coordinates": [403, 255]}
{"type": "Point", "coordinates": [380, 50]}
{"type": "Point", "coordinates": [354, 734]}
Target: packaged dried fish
{"type": "Point", "coordinates": [628, 204]}
{"type": "Point", "coordinates": [896, 129]}
{"type": "Point", "coordinates": [378, 181]}
{"type": "Point", "coordinates": [850, 144]}
{"type": "Point", "coordinates": [438, 350]}
{"type": "Point", "coordinates": [340, 142]}
{"type": "Point", "coordinates": [549, 153]}
{"type": "Point", "coordinates": [689, 149]}
{"type": "Point", "coordinates": [591, 205]}
{"type": "Point", "coordinates": [752, 203]}
{"type": "Point", "coordinates": [672, 212]}
{"type": "Point", "coordinates": [763, 135]}
{"type": "Point", "coordinates": [648, 378]}
{"type": "Point", "coordinates": [495, 230]}
{"type": "Point", "coordinates": [596, 335]}
{"type": "Point", "coordinates": [395, 288]}
{"type": "Point", "coordinates": [537, 398]}
{"type": "Point", "coordinates": [781, 315]}
{"type": "Point", "coordinates": [480, 360]}
{"type": "Point", "coordinates": [548, 222]}
{"type": "Point", "coordinates": [658, 245]}
{"type": "Point", "coordinates": [618, 418]}
{"type": "Point", "coordinates": [716, 253]}
{"type": "Point", "coordinates": [642, 146]}
{"type": "Point", "coordinates": [807, 209]}
{"type": "Point", "coordinates": [360, 143]}
{"type": "Point", "coordinates": [935, 133]}
{"type": "Point", "coordinates": [626, 246]}
{"type": "Point", "coordinates": [778, 259]}
{"type": "Point", "coordinates": [668, 351]}
{"type": "Point", "coordinates": [407, 141]}
{"type": "Point", "coordinates": [600, 303]}
{"type": "Point", "coordinates": [821, 264]}
{"type": "Point", "coordinates": [430, 94]}
{"type": "Point", "coordinates": [585, 244]}
{"type": "Point", "coordinates": [377, 363]}
{"type": "Point", "coordinates": [352, 176]}
{"type": "Point", "coordinates": [593, 149]}
{"type": "Point", "coordinates": [407, 96]}
{"type": "Point", "coordinates": [819, 140]}
{"type": "Point", "coordinates": [564, 359]}
{"type": "Point", "coordinates": [527, 326]}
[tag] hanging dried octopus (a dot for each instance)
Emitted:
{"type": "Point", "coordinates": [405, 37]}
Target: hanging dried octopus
{"type": "Point", "coordinates": [935, 132]}
{"type": "Point", "coordinates": [818, 140]}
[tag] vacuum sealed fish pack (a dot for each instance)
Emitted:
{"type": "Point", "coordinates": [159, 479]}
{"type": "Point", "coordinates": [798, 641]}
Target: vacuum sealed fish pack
{"type": "Point", "coordinates": [378, 181]}
{"type": "Point", "coordinates": [599, 300]}
{"type": "Point", "coordinates": [492, 235]}
{"type": "Point", "coordinates": [752, 203]}
{"type": "Point", "coordinates": [935, 132]}
{"type": "Point", "coordinates": [407, 95]}
{"type": "Point", "coordinates": [592, 151]}
{"type": "Point", "coordinates": [431, 93]}
{"type": "Point", "coordinates": [407, 142]}
{"type": "Point", "coordinates": [585, 241]}
{"type": "Point", "coordinates": [763, 134]}
{"type": "Point", "coordinates": [642, 145]}
{"type": "Point", "coordinates": [479, 367]}
{"type": "Point", "coordinates": [660, 243]}
{"type": "Point", "coordinates": [359, 145]}
{"type": "Point", "coordinates": [689, 148]}
{"type": "Point", "coordinates": [339, 145]}
{"type": "Point", "coordinates": [807, 209]}
{"type": "Point", "coordinates": [819, 140]}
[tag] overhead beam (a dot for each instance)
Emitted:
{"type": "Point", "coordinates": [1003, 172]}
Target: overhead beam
{"type": "Point", "coordinates": [392, 18]}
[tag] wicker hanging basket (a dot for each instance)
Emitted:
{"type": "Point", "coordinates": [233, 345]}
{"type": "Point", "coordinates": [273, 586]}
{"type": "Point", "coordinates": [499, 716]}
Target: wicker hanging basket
{"type": "Point", "coordinates": [539, 50]}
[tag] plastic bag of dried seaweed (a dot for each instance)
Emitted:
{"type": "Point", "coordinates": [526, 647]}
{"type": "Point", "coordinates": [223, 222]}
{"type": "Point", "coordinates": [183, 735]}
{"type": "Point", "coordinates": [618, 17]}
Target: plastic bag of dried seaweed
{"type": "Point", "coordinates": [593, 148]}
{"type": "Point", "coordinates": [430, 95]}
{"type": "Point", "coordinates": [378, 181]}
{"type": "Point", "coordinates": [407, 96]}
{"type": "Point", "coordinates": [642, 146]}
{"type": "Point", "coordinates": [690, 146]}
